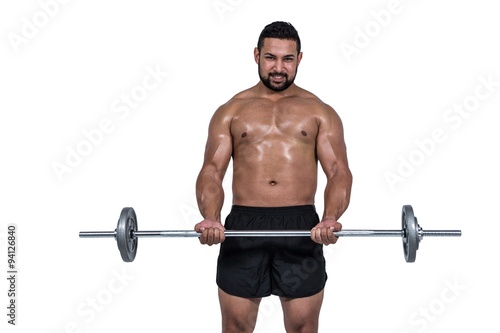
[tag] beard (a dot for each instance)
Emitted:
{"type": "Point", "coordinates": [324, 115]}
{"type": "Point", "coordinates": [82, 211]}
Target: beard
{"type": "Point", "coordinates": [266, 80]}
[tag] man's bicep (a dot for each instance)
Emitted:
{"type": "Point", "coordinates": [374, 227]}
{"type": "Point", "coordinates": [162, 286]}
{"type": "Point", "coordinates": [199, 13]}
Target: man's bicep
{"type": "Point", "coordinates": [219, 145]}
{"type": "Point", "coordinates": [331, 146]}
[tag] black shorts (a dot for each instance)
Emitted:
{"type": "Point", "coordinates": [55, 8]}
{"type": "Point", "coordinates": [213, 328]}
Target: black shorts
{"type": "Point", "coordinates": [288, 267]}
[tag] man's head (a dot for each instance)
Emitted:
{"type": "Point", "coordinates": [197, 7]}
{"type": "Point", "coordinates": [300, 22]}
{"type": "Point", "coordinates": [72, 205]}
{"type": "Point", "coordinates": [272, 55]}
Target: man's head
{"type": "Point", "coordinates": [278, 55]}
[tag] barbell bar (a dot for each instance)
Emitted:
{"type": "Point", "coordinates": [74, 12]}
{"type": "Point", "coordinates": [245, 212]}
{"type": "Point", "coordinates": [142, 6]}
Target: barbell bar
{"type": "Point", "coordinates": [126, 233]}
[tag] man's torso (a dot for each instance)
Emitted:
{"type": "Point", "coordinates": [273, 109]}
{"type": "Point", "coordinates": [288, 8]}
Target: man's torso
{"type": "Point", "coordinates": [274, 149]}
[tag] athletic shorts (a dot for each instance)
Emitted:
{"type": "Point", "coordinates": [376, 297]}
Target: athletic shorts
{"type": "Point", "coordinates": [254, 267]}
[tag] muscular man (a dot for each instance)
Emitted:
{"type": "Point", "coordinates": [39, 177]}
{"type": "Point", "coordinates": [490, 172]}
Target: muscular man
{"type": "Point", "coordinates": [275, 132]}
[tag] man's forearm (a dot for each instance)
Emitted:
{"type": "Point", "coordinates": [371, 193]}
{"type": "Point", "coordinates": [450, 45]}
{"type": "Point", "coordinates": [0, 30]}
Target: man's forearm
{"type": "Point", "coordinates": [337, 194]}
{"type": "Point", "coordinates": [210, 197]}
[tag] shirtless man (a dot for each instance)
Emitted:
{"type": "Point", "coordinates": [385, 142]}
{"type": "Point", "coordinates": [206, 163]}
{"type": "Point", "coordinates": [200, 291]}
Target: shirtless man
{"type": "Point", "coordinates": [276, 133]}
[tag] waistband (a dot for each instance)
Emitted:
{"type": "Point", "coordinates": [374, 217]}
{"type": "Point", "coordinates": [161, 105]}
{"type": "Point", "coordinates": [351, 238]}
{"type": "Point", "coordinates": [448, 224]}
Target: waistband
{"type": "Point", "coordinates": [287, 210]}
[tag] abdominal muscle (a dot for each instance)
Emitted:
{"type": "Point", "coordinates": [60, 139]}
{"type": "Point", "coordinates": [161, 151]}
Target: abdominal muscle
{"type": "Point", "coordinates": [274, 175]}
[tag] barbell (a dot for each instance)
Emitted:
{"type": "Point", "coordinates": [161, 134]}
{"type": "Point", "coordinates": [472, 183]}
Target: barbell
{"type": "Point", "coordinates": [127, 235]}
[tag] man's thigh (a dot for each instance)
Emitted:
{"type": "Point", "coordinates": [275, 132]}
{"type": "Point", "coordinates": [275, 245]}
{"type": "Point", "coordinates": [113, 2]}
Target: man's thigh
{"type": "Point", "coordinates": [238, 314]}
{"type": "Point", "coordinates": [302, 314]}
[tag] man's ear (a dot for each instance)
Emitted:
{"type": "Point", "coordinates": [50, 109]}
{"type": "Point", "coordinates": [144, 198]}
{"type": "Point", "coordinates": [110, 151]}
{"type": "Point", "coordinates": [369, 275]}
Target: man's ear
{"type": "Point", "coordinates": [299, 58]}
{"type": "Point", "coordinates": [256, 55]}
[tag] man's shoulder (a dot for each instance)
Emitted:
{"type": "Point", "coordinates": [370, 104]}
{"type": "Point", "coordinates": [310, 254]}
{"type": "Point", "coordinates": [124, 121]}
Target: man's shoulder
{"type": "Point", "coordinates": [323, 112]}
{"type": "Point", "coordinates": [227, 111]}
{"type": "Point", "coordinates": [244, 96]}
{"type": "Point", "coordinates": [314, 101]}
{"type": "Point", "coordinates": [237, 101]}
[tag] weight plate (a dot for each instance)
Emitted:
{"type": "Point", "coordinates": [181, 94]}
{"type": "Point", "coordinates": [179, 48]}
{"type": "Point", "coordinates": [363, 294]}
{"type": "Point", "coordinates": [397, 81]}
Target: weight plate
{"type": "Point", "coordinates": [127, 243]}
{"type": "Point", "coordinates": [410, 233]}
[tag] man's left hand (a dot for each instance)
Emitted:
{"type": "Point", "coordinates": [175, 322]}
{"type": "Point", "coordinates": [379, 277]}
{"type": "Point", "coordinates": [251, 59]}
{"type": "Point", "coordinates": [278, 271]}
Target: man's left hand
{"type": "Point", "coordinates": [322, 233]}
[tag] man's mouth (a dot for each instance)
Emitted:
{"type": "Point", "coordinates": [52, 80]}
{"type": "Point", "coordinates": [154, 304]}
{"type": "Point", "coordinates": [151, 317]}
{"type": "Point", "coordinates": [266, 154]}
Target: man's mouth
{"type": "Point", "coordinates": [278, 78]}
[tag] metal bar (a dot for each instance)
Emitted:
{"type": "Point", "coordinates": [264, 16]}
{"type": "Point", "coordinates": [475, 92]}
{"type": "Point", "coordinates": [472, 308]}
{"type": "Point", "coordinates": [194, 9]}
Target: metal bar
{"type": "Point", "coordinates": [369, 233]}
{"type": "Point", "coordinates": [273, 233]}
{"type": "Point", "coordinates": [270, 233]}
{"type": "Point", "coordinates": [294, 233]}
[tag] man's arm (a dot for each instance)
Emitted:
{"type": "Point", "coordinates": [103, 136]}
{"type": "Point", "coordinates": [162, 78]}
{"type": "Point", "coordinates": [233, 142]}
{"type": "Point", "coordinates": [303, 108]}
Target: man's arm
{"type": "Point", "coordinates": [209, 191]}
{"type": "Point", "coordinates": [331, 150]}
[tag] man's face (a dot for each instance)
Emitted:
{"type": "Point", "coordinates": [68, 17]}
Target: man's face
{"type": "Point", "coordinates": [277, 62]}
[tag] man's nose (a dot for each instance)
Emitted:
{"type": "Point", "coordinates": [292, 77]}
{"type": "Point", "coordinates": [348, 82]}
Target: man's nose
{"type": "Point", "coordinates": [279, 66]}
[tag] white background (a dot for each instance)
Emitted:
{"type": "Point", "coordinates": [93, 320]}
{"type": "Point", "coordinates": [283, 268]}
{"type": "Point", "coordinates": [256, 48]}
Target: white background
{"type": "Point", "coordinates": [66, 66]}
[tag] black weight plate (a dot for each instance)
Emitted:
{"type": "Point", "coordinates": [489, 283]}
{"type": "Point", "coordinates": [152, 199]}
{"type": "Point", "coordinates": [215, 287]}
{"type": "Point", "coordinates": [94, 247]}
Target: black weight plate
{"type": "Point", "coordinates": [410, 230]}
{"type": "Point", "coordinates": [127, 244]}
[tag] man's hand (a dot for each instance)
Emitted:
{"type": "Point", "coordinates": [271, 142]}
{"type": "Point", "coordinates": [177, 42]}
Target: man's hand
{"type": "Point", "coordinates": [212, 232]}
{"type": "Point", "coordinates": [322, 233]}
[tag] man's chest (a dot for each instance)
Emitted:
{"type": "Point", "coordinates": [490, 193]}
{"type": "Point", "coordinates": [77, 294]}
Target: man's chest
{"type": "Point", "coordinates": [258, 121]}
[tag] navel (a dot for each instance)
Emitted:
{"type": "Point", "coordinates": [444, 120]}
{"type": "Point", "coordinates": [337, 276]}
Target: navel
{"type": "Point", "coordinates": [244, 134]}
{"type": "Point", "coordinates": [272, 183]}
{"type": "Point", "coordinates": [304, 133]}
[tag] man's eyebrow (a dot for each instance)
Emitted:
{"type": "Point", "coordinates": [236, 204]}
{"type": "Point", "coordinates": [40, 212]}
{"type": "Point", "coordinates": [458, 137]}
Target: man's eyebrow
{"type": "Point", "coordinates": [285, 56]}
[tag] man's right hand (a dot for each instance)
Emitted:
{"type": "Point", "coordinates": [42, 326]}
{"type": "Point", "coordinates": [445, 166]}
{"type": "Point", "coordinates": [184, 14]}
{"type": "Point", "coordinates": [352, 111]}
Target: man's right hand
{"type": "Point", "coordinates": [212, 232]}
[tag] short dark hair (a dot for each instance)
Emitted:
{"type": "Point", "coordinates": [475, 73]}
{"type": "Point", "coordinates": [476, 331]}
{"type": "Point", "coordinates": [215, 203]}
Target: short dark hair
{"type": "Point", "coordinates": [280, 30]}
